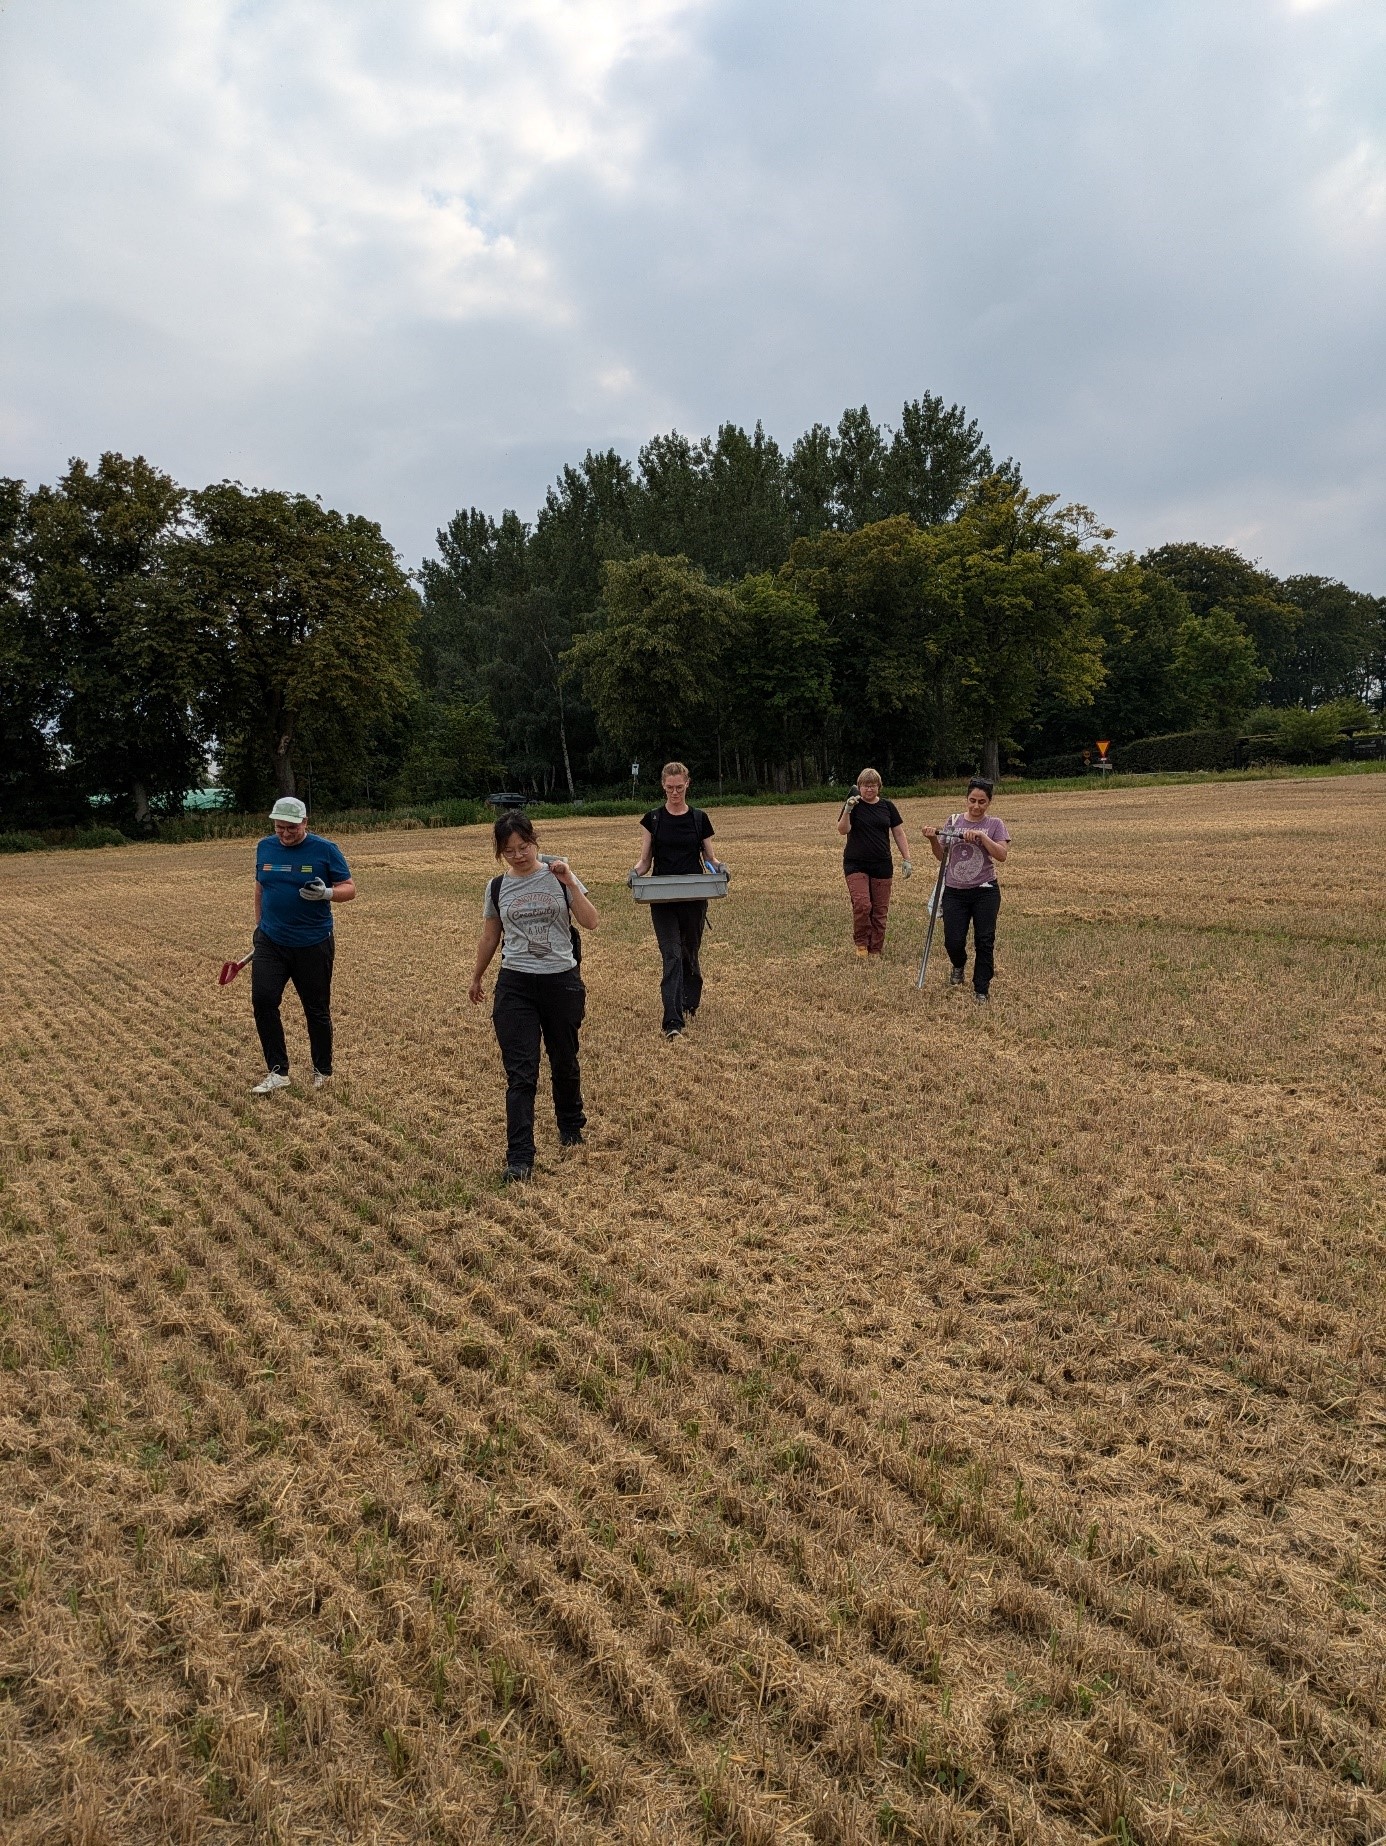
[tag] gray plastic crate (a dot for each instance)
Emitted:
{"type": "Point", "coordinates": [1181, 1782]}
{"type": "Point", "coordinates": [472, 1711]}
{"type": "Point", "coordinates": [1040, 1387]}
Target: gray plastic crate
{"type": "Point", "coordinates": [680, 888]}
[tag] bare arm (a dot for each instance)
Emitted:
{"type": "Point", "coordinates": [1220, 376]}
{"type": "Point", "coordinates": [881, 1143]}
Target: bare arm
{"type": "Point", "coordinates": [642, 864]}
{"type": "Point", "coordinates": [994, 849]}
{"type": "Point", "coordinates": [583, 909]}
{"type": "Point", "coordinates": [344, 892]}
{"type": "Point", "coordinates": [486, 947]}
{"type": "Point", "coordinates": [898, 835]}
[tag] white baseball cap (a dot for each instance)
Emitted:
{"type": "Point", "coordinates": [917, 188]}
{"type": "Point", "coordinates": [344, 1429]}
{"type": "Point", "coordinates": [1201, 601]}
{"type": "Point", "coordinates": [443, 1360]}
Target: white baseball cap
{"type": "Point", "coordinates": [289, 807]}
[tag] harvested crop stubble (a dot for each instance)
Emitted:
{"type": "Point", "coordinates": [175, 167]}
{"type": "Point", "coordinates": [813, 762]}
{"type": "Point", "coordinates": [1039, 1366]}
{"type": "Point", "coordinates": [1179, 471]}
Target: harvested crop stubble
{"type": "Point", "coordinates": [898, 1423]}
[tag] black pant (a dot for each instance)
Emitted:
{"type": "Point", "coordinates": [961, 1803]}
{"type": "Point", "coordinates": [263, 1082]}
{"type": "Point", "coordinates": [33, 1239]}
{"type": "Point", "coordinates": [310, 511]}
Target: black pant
{"type": "Point", "coordinates": [528, 1006]}
{"type": "Point", "coordinates": [309, 967]}
{"type": "Point", "coordinates": [679, 930]}
{"type": "Point", "coordinates": [978, 905]}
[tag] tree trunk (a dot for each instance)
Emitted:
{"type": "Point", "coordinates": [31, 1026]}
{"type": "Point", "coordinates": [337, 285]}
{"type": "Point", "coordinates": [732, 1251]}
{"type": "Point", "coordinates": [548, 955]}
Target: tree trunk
{"type": "Point", "coordinates": [563, 736]}
{"type": "Point", "coordinates": [562, 709]}
{"type": "Point", "coordinates": [141, 805]}
{"type": "Point", "coordinates": [283, 764]}
{"type": "Point", "coordinates": [991, 757]}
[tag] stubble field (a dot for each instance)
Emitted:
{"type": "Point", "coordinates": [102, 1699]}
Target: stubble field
{"type": "Point", "coordinates": [901, 1422]}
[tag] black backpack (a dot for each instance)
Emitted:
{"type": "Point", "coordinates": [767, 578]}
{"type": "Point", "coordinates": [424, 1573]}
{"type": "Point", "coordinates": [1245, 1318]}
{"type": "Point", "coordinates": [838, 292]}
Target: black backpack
{"type": "Point", "coordinates": [574, 933]}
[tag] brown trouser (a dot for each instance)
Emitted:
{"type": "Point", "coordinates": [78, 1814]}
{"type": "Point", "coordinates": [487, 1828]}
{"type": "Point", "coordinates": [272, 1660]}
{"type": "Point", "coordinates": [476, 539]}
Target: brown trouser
{"type": "Point", "coordinates": [870, 902]}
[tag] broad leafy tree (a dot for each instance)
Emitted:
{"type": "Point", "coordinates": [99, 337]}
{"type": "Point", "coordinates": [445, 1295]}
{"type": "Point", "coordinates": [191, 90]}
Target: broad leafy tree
{"type": "Point", "coordinates": [127, 646]}
{"type": "Point", "coordinates": [453, 750]}
{"type": "Point", "coordinates": [1031, 581]}
{"type": "Point", "coordinates": [649, 663]}
{"type": "Point", "coordinates": [312, 622]}
{"type": "Point", "coordinates": [775, 692]}
{"type": "Point", "coordinates": [1140, 617]}
{"type": "Point", "coordinates": [1338, 637]}
{"type": "Point", "coordinates": [888, 597]}
{"type": "Point", "coordinates": [1217, 577]}
{"type": "Point", "coordinates": [30, 782]}
{"type": "Point", "coordinates": [1216, 660]}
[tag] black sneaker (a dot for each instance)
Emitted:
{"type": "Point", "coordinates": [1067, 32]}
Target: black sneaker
{"type": "Point", "coordinates": [982, 999]}
{"type": "Point", "coordinates": [515, 1176]}
{"type": "Point", "coordinates": [673, 1032]}
{"type": "Point", "coordinates": [956, 976]}
{"type": "Point", "coordinates": [571, 1138]}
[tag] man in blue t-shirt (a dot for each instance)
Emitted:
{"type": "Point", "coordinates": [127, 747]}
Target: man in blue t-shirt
{"type": "Point", "coordinates": [298, 877]}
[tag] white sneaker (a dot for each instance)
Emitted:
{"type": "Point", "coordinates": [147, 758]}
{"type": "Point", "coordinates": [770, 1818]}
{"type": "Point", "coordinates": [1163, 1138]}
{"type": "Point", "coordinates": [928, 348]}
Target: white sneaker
{"type": "Point", "coordinates": [320, 1077]}
{"type": "Point", "coordinates": [271, 1081]}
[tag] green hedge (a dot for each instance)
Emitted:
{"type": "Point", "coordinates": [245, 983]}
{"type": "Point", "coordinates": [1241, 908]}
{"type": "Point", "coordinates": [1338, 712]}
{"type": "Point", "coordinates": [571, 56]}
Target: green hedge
{"type": "Point", "coordinates": [1050, 768]}
{"type": "Point", "coordinates": [55, 838]}
{"type": "Point", "coordinates": [223, 826]}
{"type": "Point", "coordinates": [1178, 750]}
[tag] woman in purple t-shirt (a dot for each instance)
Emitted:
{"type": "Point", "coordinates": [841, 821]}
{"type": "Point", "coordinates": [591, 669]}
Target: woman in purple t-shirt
{"type": "Point", "coordinates": [970, 891]}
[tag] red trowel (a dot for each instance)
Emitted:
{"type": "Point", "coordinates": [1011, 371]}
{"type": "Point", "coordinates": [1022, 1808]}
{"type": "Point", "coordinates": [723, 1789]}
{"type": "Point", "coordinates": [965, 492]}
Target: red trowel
{"type": "Point", "coordinates": [230, 969]}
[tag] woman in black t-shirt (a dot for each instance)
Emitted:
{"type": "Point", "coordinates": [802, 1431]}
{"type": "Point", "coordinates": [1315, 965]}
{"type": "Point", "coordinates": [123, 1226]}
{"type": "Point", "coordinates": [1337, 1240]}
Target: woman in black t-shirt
{"type": "Point", "coordinates": [672, 841]}
{"type": "Point", "coordinates": [870, 823]}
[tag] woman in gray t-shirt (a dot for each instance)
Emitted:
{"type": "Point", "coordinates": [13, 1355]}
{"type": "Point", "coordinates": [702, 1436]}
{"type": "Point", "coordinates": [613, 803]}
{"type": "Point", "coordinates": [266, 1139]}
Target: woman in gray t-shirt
{"type": "Point", "coordinates": [531, 913]}
{"type": "Point", "coordinates": [977, 843]}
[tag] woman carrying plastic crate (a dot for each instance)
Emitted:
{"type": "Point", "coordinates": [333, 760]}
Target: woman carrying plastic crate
{"type": "Point", "coordinates": [673, 841]}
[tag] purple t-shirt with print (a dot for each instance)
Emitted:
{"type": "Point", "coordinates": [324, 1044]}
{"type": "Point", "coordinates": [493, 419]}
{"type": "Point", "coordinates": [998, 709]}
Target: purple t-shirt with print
{"type": "Point", "coordinates": [969, 865]}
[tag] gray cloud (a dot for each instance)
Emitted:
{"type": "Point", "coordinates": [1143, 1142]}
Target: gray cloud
{"type": "Point", "coordinates": [416, 256]}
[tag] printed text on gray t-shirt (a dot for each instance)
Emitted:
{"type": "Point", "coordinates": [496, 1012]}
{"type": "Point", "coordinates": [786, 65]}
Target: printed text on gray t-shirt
{"type": "Point", "coordinates": [536, 931]}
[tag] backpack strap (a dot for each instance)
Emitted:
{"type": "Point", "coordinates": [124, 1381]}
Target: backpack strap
{"type": "Point", "coordinates": [574, 934]}
{"type": "Point", "coordinates": [698, 818]}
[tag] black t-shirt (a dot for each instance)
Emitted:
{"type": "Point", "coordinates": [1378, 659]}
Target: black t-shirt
{"type": "Point", "coordinates": [868, 843]}
{"type": "Point", "coordinates": [678, 839]}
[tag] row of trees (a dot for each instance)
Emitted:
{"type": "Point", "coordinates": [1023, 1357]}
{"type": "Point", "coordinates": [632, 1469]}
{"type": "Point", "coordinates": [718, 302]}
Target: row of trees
{"type": "Point", "coordinates": [890, 594]}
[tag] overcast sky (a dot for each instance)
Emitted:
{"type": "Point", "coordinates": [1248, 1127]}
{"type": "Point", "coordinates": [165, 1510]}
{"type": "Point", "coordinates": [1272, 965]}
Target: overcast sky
{"type": "Point", "coordinates": [415, 254]}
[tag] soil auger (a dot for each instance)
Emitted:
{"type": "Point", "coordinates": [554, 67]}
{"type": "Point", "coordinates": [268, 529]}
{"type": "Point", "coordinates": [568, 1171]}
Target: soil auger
{"type": "Point", "coordinates": [949, 836]}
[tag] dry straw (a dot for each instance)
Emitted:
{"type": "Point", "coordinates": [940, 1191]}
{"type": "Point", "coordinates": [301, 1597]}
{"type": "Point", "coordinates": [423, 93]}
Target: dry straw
{"type": "Point", "coordinates": [897, 1424]}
